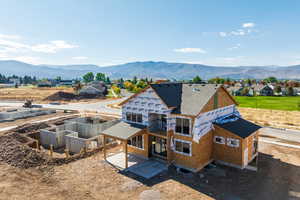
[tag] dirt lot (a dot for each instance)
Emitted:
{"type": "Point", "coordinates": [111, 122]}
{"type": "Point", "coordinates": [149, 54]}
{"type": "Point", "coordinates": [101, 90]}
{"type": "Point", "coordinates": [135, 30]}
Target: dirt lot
{"type": "Point", "coordinates": [273, 118]}
{"type": "Point", "coordinates": [91, 178]}
{"type": "Point", "coordinates": [40, 95]}
{"type": "Point", "coordinates": [37, 94]}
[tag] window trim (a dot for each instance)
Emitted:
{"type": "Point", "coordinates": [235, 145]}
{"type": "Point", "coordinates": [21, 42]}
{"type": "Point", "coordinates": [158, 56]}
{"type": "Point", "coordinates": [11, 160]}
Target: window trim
{"type": "Point", "coordinates": [183, 141]}
{"type": "Point", "coordinates": [136, 116]}
{"type": "Point", "coordinates": [231, 145]}
{"type": "Point", "coordinates": [223, 139]}
{"type": "Point", "coordinates": [190, 126]}
{"type": "Point", "coordinates": [143, 146]}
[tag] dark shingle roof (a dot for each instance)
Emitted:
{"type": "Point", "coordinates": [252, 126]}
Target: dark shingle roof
{"type": "Point", "coordinates": [240, 127]}
{"type": "Point", "coordinates": [188, 99]}
{"type": "Point", "coordinates": [123, 130]}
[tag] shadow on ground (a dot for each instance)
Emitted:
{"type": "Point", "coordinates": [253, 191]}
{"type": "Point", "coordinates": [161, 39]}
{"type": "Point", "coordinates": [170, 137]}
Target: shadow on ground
{"type": "Point", "coordinates": [273, 180]}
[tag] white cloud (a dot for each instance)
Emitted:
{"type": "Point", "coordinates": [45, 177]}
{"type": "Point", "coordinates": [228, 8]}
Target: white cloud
{"type": "Point", "coordinates": [190, 50]}
{"type": "Point", "coordinates": [246, 30]}
{"type": "Point", "coordinates": [238, 32]}
{"type": "Point", "coordinates": [248, 25]}
{"type": "Point", "coordinates": [223, 34]}
{"type": "Point", "coordinates": [80, 58]}
{"type": "Point", "coordinates": [52, 46]}
{"type": "Point", "coordinates": [237, 46]}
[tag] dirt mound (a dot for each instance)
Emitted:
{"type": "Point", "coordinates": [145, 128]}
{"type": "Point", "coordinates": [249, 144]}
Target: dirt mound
{"type": "Point", "coordinates": [14, 153]}
{"type": "Point", "coordinates": [61, 96]}
{"type": "Point", "coordinates": [26, 128]}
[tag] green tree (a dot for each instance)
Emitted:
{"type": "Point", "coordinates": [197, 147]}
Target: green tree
{"type": "Point", "coordinates": [107, 81]}
{"type": "Point", "coordinates": [197, 79]}
{"type": "Point", "coordinates": [277, 89]}
{"type": "Point", "coordinates": [271, 79]}
{"type": "Point", "coordinates": [100, 77]}
{"type": "Point", "coordinates": [88, 77]}
{"type": "Point", "coordinates": [134, 80]}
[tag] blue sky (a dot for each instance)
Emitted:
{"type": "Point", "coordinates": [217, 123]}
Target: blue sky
{"type": "Point", "coordinates": [214, 32]}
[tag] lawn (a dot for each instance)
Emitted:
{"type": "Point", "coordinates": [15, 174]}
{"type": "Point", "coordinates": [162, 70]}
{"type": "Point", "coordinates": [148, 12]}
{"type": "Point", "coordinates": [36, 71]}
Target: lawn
{"type": "Point", "coordinates": [274, 103]}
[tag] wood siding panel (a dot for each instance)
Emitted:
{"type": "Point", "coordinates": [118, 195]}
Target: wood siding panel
{"type": "Point", "coordinates": [141, 152]}
{"type": "Point", "coordinates": [222, 152]}
{"type": "Point", "coordinates": [223, 100]}
{"type": "Point", "coordinates": [201, 152]}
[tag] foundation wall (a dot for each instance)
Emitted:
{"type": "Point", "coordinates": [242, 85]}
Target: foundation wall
{"type": "Point", "coordinates": [20, 114]}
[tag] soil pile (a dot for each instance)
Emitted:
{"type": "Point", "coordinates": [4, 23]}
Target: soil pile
{"type": "Point", "coordinates": [61, 96]}
{"type": "Point", "coordinates": [14, 153]}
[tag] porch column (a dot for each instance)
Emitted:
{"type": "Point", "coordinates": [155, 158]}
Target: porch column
{"type": "Point", "coordinates": [126, 154]}
{"type": "Point", "coordinates": [104, 147]}
{"type": "Point", "coordinates": [169, 152]}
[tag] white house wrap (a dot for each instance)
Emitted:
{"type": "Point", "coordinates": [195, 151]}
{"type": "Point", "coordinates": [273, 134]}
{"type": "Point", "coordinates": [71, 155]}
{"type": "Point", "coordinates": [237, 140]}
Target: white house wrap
{"type": "Point", "coordinates": [145, 103]}
{"type": "Point", "coordinates": [204, 122]}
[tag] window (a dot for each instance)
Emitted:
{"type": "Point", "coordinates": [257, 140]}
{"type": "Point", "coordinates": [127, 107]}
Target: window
{"type": "Point", "coordinates": [182, 126]}
{"type": "Point", "coordinates": [219, 140]}
{"type": "Point", "coordinates": [134, 117]}
{"type": "Point", "coordinates": [233, 142]}
{"type": "Point", "coordinates": [255, 144]}
{"type": "Point", "coordinates": [183, 147]}
{"type": "Point", "coordinates": [136, 141]}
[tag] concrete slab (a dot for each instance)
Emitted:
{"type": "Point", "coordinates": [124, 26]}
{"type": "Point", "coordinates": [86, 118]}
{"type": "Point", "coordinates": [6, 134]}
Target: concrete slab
{"type": "Point", "coordinates": [118, 160]}
{"type": "Point", "coordinates": [148, 169]}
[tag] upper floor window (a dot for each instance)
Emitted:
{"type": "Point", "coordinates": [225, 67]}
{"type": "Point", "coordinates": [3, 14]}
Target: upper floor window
{"type": "Point", "coordinates": [134, 117]}
{"type": "Point", "coordinates": [182, 126]}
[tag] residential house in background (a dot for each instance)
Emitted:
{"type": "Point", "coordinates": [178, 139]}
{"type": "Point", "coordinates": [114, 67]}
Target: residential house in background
{"type": "Point", "coordinates": [188, 125]}
{"type": "Point", "coordinates": [65, 83]}
{"type": "Point", "coordinates": [93, 89]}
{"type": "Point", "coordinates": [264, 90]}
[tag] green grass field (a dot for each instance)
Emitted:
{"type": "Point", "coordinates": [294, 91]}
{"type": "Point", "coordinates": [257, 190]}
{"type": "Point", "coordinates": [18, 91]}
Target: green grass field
{"type": "Point", "coordinates": [274, 103]}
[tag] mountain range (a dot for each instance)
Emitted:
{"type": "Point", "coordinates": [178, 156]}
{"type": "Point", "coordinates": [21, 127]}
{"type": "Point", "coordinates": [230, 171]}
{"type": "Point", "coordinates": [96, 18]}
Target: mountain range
{"type": "Point", "coordinates": [150, 69]}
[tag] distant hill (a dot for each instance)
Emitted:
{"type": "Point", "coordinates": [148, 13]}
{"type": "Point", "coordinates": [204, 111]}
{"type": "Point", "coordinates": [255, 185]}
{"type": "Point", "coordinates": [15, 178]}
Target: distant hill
{"type": "Point", "coordinates": [156, 70]}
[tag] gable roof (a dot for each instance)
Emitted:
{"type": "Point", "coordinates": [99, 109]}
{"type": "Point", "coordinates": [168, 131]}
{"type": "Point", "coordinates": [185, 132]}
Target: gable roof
{"type": "Point", "coordinates": [184, 98]}
{"type": "Point", "coordinates": [187, 99]}
{"type": "Point", "coordinates": [240, 127]}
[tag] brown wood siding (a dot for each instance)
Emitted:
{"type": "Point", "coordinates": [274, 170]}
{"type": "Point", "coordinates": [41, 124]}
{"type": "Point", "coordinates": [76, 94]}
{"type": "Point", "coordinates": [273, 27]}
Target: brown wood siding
{"type": "Point", "coordinates": [223, 99]}
{"type": "Point", "coordinates": [140, 152]}
{"type": "Point", "coordinates": [222, 152]}
{"type": "Point", "coordinates": [250, 141]}
{"type": "Point", "coordinates": [201, 152]}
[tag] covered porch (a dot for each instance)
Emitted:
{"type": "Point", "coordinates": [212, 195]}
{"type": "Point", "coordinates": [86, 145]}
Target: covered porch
{"type": "Point", "coordinates": [134, 162]}
{"type": "Point", "coordinates": [122, 132]}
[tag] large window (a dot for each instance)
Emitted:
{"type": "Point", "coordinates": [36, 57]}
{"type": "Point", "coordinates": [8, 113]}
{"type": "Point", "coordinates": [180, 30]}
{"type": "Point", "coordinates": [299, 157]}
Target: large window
{"type": "Point", "coordinates": [136, 141]}
{"type": "Point", "coordinates": [183, 147]}
{"type": "Point", "coordinates": [182, 126]}
{"type": "Point", "coordinates": [134, 117]}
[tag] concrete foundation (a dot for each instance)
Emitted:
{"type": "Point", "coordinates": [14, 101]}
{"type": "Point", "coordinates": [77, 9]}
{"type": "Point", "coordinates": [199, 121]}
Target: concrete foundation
{"type": "Point", "coordinates": [76, 134]}
{"type": "Point", "coordinates": [11, 115]}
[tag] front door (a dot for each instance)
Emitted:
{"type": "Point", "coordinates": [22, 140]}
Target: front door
{"type": "Point", "coordinates": [159, 147]}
